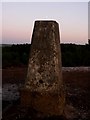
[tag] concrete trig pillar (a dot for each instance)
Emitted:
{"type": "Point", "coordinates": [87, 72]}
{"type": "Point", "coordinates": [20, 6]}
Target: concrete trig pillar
{"type": "Point", "coordinates": [43, 87]}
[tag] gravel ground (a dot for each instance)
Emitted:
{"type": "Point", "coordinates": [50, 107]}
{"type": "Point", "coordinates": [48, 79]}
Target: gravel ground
{"type": "Point", "coordinates": [77, 97]}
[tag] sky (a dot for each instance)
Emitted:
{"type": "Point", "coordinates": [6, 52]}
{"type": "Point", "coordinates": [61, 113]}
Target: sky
{"type": "Point", "coordinates": [18, 20]}
{"type": "Point", "coordinates": [89, 20]}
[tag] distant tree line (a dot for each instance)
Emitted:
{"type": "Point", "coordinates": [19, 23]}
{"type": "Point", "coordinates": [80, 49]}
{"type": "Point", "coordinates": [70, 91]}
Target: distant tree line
{"type": "Point", "coordinates": [75, 55]}
{"type": "Point", "coordinates": [72, 55]}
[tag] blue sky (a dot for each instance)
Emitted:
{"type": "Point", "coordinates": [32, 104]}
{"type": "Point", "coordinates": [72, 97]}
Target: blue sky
{"type": "Point", "coordinates": [18, 20]}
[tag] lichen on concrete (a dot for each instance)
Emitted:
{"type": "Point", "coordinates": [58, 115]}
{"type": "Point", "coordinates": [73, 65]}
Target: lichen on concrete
{"type": "Point", "coordinates": [44, 74]}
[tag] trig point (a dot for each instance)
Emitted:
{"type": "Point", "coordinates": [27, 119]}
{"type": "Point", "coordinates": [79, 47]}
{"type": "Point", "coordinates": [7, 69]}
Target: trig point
{"type": "Point", "coordinates": [44, 87]}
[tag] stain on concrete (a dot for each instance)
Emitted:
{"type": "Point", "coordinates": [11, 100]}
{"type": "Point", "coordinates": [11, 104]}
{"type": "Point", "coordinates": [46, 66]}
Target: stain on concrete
{"type": "Point", "coordinates": [44, 84]}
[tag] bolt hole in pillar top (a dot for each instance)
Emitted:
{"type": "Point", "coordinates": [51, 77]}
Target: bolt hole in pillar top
{"type": "Point", "coordinates": [43, 86]}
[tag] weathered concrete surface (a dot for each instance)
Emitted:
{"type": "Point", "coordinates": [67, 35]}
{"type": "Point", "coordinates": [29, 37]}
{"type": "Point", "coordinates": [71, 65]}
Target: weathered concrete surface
{"type": "Point", "coordinates": [43, 87]}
